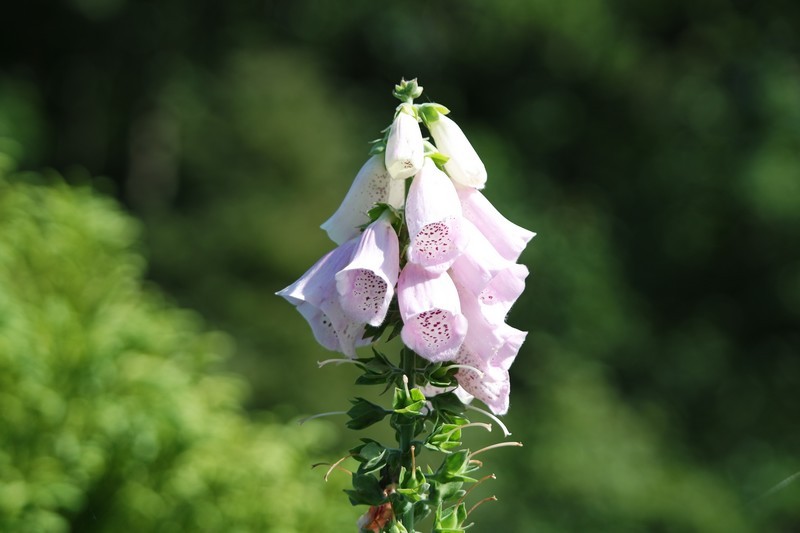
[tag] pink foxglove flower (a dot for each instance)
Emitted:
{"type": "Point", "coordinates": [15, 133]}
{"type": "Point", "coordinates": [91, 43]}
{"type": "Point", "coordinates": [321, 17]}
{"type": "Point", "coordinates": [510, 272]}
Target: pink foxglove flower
{"type": "Point", "coordinates": [434, 220]}
{"type": "Point", "coordinates": [366, 285]}
{"type": "Point", "coordinates": [404, 147]}
{"type": "Point", "coordinates": [506, 237]}
{"type": "Point", "coordinates": [372, 185]}
{"type": "Point", "coordinates": [490, 348]}
{"type": "Point", "coordinates": [317, 299]}
{"type": "Point", "coordinates": [464, 165]}
{"type": "Point", "coordinates": [484, 274]}
{"type": "Point", "coordinates": [433, 325]}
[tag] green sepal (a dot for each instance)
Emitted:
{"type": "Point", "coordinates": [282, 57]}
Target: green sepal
{"type": "Point", "coordinates": [397, 527]}
{"type": "Point", "coordinates": [407, 90]}
{"type": "Point", "coordinates": [450, 520]}
{"type": "Point", "coordinates": [378, 146]}
{"type": "Point", "coordinates": [408, 403]}
{"type": "Point", "coordinates": [455, 467]}
{"type": "Point", "coordinates": [364, 413]}
{"type": "Point", "coordinates": [429, 112]}
{"type": "Point", "coordinates": [380, 208]}
{"type": "Point", "coordinates": [442, 376]}
{"type": "Point", "coordinates": [442, 492]}
{"type": "Point", "coordinates": [445, 438]}
{"type": "Point", "coordinates": [448, 408]}
{"type": "Point", "coordinates": [412, 484]}
{"type": "Point", "coordinates": [366, 490]}
{"type": "Point", "coordinates": [439, 159]}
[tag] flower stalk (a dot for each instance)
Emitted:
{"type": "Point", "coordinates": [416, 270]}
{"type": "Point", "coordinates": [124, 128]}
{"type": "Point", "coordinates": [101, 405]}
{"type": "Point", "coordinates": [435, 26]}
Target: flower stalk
{"type": "Point", "coordinates": [422, 255]}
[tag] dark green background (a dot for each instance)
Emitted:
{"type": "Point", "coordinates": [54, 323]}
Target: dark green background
{"type": "Point", "coordinates": [654, 147]}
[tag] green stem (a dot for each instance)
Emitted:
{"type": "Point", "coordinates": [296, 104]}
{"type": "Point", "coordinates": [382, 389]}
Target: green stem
{"type": "Point", "coordinates": [407, 361]}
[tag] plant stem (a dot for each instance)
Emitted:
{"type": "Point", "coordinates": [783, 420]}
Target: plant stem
{"type": "Point", "coordinates": [407, 361]}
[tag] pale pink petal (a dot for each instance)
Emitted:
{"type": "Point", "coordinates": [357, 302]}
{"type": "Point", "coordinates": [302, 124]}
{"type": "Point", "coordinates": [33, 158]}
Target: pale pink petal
{"type": "Point", "coordinates": [507, 238]}
{"type": "Point", "coordinates": [316, 298]}
{"type": "Point", "coordinates": [490, 349]}
{"type": "Point", "coordinates": [434, 220]}
{"type": "Point", "coordinates": [372, 185]}
{"type": "Point", "coordinates": [464, 165]}
{"type": "Point", "coordinates": [487, 276]}
{"type": "Point", "coordinates": [366, 285]}
{"type": "Point", "coordinates": [404, 147]}
{"type": "Point", "coordinates": [492, 386]}
{"type": "Point", "coordinates": [320, 325]}
{"type": "Point", "coordinates": [433, 325]}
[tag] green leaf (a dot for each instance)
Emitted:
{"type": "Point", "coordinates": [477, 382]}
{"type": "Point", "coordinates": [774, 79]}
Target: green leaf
{"type": "Point", "coordinates": [364, 414]}
{"type": "Point", "coordinates": [366, 490]}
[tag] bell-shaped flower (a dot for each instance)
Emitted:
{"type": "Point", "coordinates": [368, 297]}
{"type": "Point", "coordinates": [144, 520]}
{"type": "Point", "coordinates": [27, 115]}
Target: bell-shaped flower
{"type": "Point", "coordinates": [434, 220]}
{"type": "Point", "coordinates": [494, 281]}
{"type": "Point", "coordinates": [433, 325]}
{"type": "Point", "coordinates": [372, 185]}
{"type": "Point", "coordinates": [366, 284]}
{"type": "Point", "coordinates": [486, 355]}
{"type": "Point", "coordinates": [405, 149]}
{"type": "Point", "coordinates": [506, 237]}
{"type": "Point", "coordinates": [464, 165]}
{"type": "Point", "coordinates": [317, 299]}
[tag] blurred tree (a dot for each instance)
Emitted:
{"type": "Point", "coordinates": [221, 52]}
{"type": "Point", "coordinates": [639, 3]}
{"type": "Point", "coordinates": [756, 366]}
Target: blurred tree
{"type": "Point", "coordinates": [113, 417]}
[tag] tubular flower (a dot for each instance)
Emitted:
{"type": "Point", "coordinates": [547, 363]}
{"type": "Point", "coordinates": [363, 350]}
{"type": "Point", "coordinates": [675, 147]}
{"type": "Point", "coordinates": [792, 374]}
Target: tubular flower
{"type": "Point", "coordinates": [433, 325]}
{"type": "Point", "coordinates": [404, 147]}
{"type": "Point", "coordinates": [372, 185]}
{"type": "Point", "coordinates": [366, 284]}
{"type": "Point", "coordinates": [316, 298]}
{"type": "Point", "coordinates": [495, 281]}
{"type": "Point", "coordinates": [490, 349]}
{"type": "Point", "coordinates": [507, 238]}
{"type": "Point", "coordinates": [464, 165]}
{"type": "Point", "coordinates": [434, 219]}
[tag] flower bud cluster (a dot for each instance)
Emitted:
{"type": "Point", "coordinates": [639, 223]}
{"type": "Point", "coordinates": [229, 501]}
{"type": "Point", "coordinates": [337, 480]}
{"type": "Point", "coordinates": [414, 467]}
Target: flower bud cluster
{"type": "Point", "coordinates": [435, 243]}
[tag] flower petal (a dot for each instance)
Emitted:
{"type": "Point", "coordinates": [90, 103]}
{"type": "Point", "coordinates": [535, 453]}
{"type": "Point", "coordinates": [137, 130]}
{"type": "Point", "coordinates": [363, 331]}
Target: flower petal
{"type": "Point", "coordinates": [433, 325]}
{"type": "Point", "coordinates": [435, 223]}
{"type": "Point", "coordinates": [507, 238]}
{"type": "Point", "coordinates": [372, 185]}
{"type": "Point", "coordinates": [366, 285]}
{"type": "Point", "coordinates": [464, 165]}
{"type": "Point", "coordinates": [492, 388]}
{"type": "Point", "coordinates": [495, 281]}
{"type": "Point", "coordinates": [316, 298]}
{"type": "Point", "coordinates": [404, 147]}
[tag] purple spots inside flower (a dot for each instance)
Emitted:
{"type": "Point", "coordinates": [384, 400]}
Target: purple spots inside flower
{"type": "Point", "coordinates": [487, 296]}
{"type": "Point", "coordinates": [434, 241]}
{"type": "Point", "coordinates": [369, 292]}
{"type": "Point", "coordinates": [434, 328]}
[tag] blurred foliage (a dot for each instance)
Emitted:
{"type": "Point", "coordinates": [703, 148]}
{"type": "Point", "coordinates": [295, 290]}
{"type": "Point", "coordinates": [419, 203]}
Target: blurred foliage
{"type": "Point", "coordinates": [113, 417]}
{"type": "Point", "coordinates": [654, 147]}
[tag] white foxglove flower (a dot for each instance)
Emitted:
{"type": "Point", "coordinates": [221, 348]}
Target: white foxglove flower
{"type": "Point", "coordinates": [506, 237]}
{"type": "Point", "coordinates": [433, 325]}
{"type": "Point", "coordinates": [366, 284]}
{"type": "Point", "coordinates": [434, 220]}
{"type": "Point", "coordinates": [317, 299]}
{"type": "Point", "coordinates": [372, 185]}
{"type": "Point", "coordinates": [405, 149]}
{"type": "Point", "coordinates": [464, 165]}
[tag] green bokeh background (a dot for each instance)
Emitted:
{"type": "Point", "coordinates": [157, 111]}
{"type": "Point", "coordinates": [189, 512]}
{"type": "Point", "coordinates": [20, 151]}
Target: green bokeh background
{"type": "Point", "coordinates": [196, 148]}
